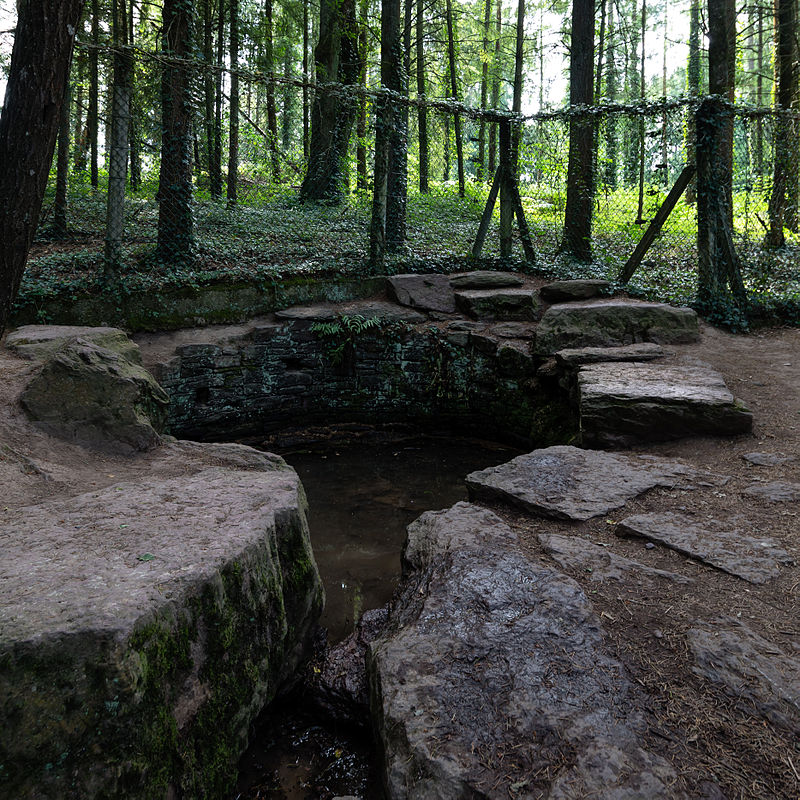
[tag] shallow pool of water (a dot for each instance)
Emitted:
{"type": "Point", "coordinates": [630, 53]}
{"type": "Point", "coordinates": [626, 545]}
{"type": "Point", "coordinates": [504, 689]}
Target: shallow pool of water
{"type": "Point", "coordinates": [364, 487]}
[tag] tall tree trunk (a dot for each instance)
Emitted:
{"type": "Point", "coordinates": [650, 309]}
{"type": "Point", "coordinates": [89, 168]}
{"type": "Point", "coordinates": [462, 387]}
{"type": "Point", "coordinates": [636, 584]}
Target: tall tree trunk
{"type": "Point", "coordinates": [642, 89]}
{"type": "Point", "coordinates": [759, 143]}
{"type": "Point", "coordinates": [175, 223]}
{"type": "Point", "coordinates": [487, 18]}
{"type": "Point", "coordinates": [451, 56]}
{"type": "Point", "coordinates": [693, 90]}
{"type": "Point", "coordinates": [577, 240]}
{"type": "Point", "coordinates": [62, 169]}
{"type": "Point", "coordinates": [598, 86]}
{"type": "Point", "coordinates": [287, 94]}
{"type": "Point", "coordinates": [612, 120]}
{"type": "Point", "coordinates": [133, 127]}
{"type": "Point", "coordinates": [118, 155]}
{"type": "Point", "coordinates": [208, 85]}
{"type": "Point", "coordinates": [306, 78]}
{"type": "Point", "coordinates": [422, 112]}
{"type": "Point", "coordinates": [361, 124]}
{"type": "Point", "coordinates": [397, 189]}
{"type": "Point", "coordinates": [664, 118]}
{"type": "Point", "coordinates": [37, 79]}
{"type": "Point", "coordinates": [516, 105]}
{"type": "Point", "coordinates": [495, 87]}
{"type": "Point", "coordinates": [232, 184]}
{"type": "Point", "coordinates": [333, 113]}
{"type": "Point", "coordinates": [783, 198]}
{"type": "Point", "coordinates": [215, 165]}
{"type": "Point", "coordinates": [94, 94]}
{"type": "Point", "coordinates": [269, 67]}
{"type": "Point", "coordinates": [79, 132]}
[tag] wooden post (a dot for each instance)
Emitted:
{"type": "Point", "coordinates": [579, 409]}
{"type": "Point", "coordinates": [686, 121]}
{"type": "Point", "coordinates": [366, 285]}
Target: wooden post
{"type": "Point", "coordinates": [488, 210]}
{"type": "Point", "coordinates": [506, 190]}
{"type": "Point", "coordinates": [632, 264]}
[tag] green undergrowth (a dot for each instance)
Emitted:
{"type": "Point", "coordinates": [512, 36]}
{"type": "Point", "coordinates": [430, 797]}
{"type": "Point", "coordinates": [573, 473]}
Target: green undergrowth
{"type": "Point", "coordinates": [268, 240]}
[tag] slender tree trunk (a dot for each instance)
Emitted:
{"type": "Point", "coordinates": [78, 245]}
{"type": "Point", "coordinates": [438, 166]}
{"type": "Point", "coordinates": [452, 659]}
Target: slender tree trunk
{"type": "Point", "coordinates": [361, 124]}
{"type": "Point", "coordinates": [37, 79]}
{"type": "Point", "coordinates": [232, 185]}
{"type": "Point", "coordinates": [664, 119]}
{"type": "Point", "coordinates": [759, 143]}
{"type": "Point", "coordinates": [422, 112]}
{"type": "Point", "coordinates": [782, 211]}
{"type": "Point", "coordinates": [287, 92]}
{"type": "Point", "coordinates": [306, 78]}
{"type": "Point", "coordinates": [175, 223]}
{"type": "Point", "coordinates": [451, 55]}
{"type": "Point", "coordinates": [598, 85]}
{"type": "Point", "coordinates": [333, 114]}
{"type": "Point", "coordinates": [612, 120]}
{"type": "Point", "coordinates": [487, 18]}
{"type": "Point", "coordinates": [133, 126]}
{"type": "Point", "coordinates": [215, 165]}
{"type": "Point", "coordinates": [495, 87]}
{"type": "Point", "coordinates": [693, 90]}
{"type": "Point", "coordinates": [94, 94]}
{"type": "Point", "coordinates": [577, 240]}
{"type": "Point", "coordinates": [118, 155]}
{"type": "Point", "coordinates": [642, 89]}
{"type": "Point", "coordinates": [79, 133]}
{"type": "Point", "coordinates": [60, 208]}
{"type": "Point", "coordinates": [208, 85]}
{"type": "Point", "coordinates": [516, 106]}
{"type": "Point", "coordinates": [269, 67]}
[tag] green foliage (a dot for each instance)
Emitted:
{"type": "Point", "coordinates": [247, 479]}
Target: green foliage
{"type": "Point", "coordinates": [343, 332]}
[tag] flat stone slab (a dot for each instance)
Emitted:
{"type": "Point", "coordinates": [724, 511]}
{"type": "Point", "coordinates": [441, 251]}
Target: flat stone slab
{"type": "Point", "coordinates": [39, 342]}
{"type": "Point", "coordinates": [130, 664]}
{"type": "Point", "coordinates": [485, 279]}
{"type": "Point", "coordinates": [578, 356]}
{"type": "Point", "coordinates": [611, 323]}
{"type": "Point", "coordinates": [714, 543]}
{"type": "Point", "coordinates": [499, 304]}
{"type": "Point", "coordinates": [560, 291]}
{"type": "Point", "coordinates": [622, 404]}
{"type": "Point", "coordinates": [564, 482]}
{"type": "Point", "coordinates": [429, 292]}
{"type": "Point", "coordinates": [775, 491]}
{"type": "Point", "coordinates": [756, 672]}
{"type": "Point", "coordinates": [491, 668]}
{"type": "Point", "coordinates": [767, 459]}
{"type": "Point", "coordinates": [324, 313]}
{"type": "Point", "coordinates": [601, 564]}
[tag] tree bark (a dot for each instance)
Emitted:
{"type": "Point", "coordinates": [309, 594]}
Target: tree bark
{"type": "Point", "coordinates": [642, 92]}
{"type": "Point", "coordinates": [269, 68]}
{"type": "Point", "coordinates": [37, 80]}
{"type": "Point", "coordinates": [215, 165]}
{"type": "Point", "coordinates": [94, 94]}
{"type": "Point", "coordinates": [693, 90]}
{"type": "Point", "coordinates": [397, 190]}
{"type": "Point", "coordinates": [361, 125]}
{"type": "Point", "coordinates": [495, 87]}
{"type": "Point", "coordinates": [451, 55]}
{"type": "Point", "coordinates": [175, 222]}
{"type": "Point", "coordinates": [62, 169]}
{"type": "Point", "coordinates": [333, 113]}
{"type": "Point", "coordinates": [422, 112]}
{"type": "Point", "coordinates": [577, 240]}
{"type": "Point", "coordinates": [232, 184]}
{"type": "Point", "coordinates": [306, 78]}
{"type": "Point", "coordinates": [487, 18]}
{"type": "Point", "coordinates": [783, 197]}
{"type": "Point", "coordinates": [612, 120]}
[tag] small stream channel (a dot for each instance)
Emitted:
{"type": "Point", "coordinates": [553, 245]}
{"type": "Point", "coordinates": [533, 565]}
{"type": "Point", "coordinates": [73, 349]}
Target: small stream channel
{"type": "Point", "coordinates": [364, 486]}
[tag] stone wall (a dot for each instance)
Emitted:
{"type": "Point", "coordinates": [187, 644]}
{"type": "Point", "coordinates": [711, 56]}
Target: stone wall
{"type": "Point", "coordinates": [289, 372]}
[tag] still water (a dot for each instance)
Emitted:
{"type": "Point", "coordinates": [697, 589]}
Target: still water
{"type": "Point", "coordinates": [364, 486]}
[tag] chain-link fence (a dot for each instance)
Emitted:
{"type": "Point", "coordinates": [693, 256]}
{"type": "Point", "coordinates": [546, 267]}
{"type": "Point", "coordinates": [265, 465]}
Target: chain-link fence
{"type": "Point", "coordinates": [192, 194]}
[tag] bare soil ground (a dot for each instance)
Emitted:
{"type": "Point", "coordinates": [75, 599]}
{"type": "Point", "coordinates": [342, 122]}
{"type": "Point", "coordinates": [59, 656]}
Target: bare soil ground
{"type": "Point", "coordinates": [715, 740]}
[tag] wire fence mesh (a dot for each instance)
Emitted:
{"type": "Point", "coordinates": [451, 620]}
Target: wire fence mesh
{"type": "Point", "coordinates": [183, 193]}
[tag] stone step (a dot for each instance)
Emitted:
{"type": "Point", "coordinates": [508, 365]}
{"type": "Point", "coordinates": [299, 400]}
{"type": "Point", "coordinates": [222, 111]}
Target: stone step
{"type": "Point", "coordinates": [427, 292]}
{"type": "Point", "coordinates": [611, 323]}
{"type": "Point", "coordinates": [561, 291]}
{"type": "Point", "coordinates": [499, 304]}
{"type": "Point", "coordinates": [624, 403]}
{"type": "Point", "coordinates": [485, 279]}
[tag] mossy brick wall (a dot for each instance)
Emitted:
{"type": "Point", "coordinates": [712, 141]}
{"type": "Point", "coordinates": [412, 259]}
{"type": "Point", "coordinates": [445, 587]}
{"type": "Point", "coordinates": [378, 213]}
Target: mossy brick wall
{"type": "Point", "coordinates": [285, 373]}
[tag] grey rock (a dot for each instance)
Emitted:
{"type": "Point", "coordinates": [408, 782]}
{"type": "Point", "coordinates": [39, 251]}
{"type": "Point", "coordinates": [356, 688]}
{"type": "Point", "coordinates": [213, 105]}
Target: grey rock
{"type": "Point", "coordinates": [756, 672]}
{"type": "Point", "coordinates": [515, 359]}
{"type": "Point", "coordinates": [95, 396]}
{"type": "Point", "coordinates": [512, 330]}
{"type": "Point", "coordinates": [577, 356]}
{"type": "Point", "coordinates": [485, 279]}
{"type": "Point", "coordinates": [338, 686]}
{"type": "Point", "coordinates": [611, 323]}
{"type": "Point", "coordinates": [151, 621]}
{"type": "Point", "coordinates": [309, 313]}
{"type": "Point", "coordinates": [621, 404]}
{"type": "Point", "coordinates": [766, 459]}
{"type": "Point", "coordinates": [714, 543]}
{"type": "Point", "coordinates": [487, 653]}
{"type": "Point", "coordinates": [431, 292]}
{"type": "Point", "coordinates": [775, 491]}
{"type": "Point", "coordinates": [564, 482]}
{"type": "Point", "coordinates": [500, 304]}
{"type": "Point", "coordinates": [582, 289]}
{"type": "Point", "coordinates": [572, 552]}
{"type": "Point", "coordinates": [39, 342]}
{"type": "Point", "coordinates": [368, 309]}
{"type": "Point", "coordinates": [465, 325]}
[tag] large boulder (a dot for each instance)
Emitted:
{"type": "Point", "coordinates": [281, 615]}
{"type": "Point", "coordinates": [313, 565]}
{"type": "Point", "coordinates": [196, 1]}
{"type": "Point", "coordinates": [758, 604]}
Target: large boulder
{"type": "Point", "coordinates": [622, 404]}
{"type": "Point", "coordinates": [611, 323]}
{"type": "Point", "coordinates": [96, 394]}
{"type": "Point", "coordinates": [492, 669]}
{"type": "Point", "coordinates": [145, 625]}
{"type": "Point", "coordinates": [40, 342]}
